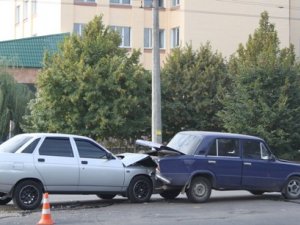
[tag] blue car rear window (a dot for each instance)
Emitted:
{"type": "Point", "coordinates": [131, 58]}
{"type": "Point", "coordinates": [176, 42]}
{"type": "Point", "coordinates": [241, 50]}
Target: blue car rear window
{"type": "Point", "coordinates": [185, 143]}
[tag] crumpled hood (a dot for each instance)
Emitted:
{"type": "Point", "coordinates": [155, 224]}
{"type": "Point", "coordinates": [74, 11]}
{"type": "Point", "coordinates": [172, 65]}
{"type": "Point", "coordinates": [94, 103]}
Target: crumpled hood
{"type": "Point", "coordinates": [157, 146]}
{"type": "Point", "coordinates": [129, 159]}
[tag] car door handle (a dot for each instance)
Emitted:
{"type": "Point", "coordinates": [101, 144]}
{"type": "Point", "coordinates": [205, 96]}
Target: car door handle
{"type": "Point", "coordinates": [41, 160]}
{"type": "Point", "coordinates": [247, 164]}
{"type": "Point", "coordinates": [84, 162]}
{"type": "Point", "coordinates": [212, 162]}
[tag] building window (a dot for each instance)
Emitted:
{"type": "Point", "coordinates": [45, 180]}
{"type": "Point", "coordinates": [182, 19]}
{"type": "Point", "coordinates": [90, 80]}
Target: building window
{"type": "Point", "coordinates": [175, 37]}
{"type": "Point", "coordinates": [17, 14]}
{"type": "Point", "coordinates": [33, 7]}
{"type": "Point", "coordinates": [78, 28]}
{"type": "Point", "coordinates": [148, 3]}
{"type": "Point", "coordinates": [125, 35]}
{"type": "Point", "coordinates": [161, 38]}
{"type": "Point", "coordinates": [122, 2]}
{"type": "Point", "coordinates": [25, 10]}
{"type": "Point", "coordinates": [148, 38]}
{"type": "Point", "coordinates": [175, 3]}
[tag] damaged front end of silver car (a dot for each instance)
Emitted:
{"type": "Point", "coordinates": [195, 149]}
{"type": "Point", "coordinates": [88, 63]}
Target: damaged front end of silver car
{"type": "Point", "coordinates": [156, 152]}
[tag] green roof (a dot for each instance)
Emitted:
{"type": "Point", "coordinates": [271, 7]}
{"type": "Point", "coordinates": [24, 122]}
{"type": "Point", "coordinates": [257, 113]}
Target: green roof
{"type": "Point", "coordinates": [29, 52]}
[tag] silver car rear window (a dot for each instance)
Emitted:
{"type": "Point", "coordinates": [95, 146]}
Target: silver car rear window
{"type": "Point", "coordinates": [13, 144]}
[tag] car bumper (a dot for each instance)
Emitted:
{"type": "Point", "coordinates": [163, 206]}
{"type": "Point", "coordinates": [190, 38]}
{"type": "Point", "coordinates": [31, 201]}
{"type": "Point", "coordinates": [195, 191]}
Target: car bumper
{"type": "Point", "coordinates": [163, 179]}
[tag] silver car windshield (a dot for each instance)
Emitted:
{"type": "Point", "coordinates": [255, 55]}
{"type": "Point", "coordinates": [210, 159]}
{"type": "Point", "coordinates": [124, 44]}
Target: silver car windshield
{"type": "Point", "coordinates": [185, 143]}
{"type": "Point", "coordinates": [13, 144]}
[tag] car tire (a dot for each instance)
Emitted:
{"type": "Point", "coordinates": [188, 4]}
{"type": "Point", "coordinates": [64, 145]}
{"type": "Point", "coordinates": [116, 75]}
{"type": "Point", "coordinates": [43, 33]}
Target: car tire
{"type": "Point", "coordinates": [170, 194]}
{"type": "Point", "coordinates": [4, 199]}
{"type": "Point", "coordinates": [140, 189]}
{"type": "Point", "coordinates": [257, 192]}
{"type": "Point", "coordinates": [291, 189]}
{"type": "Point", "coordinates": [199, 190]}
{"type": "Point", "coordinates": [106, 196]}
{"type": "Point", "coordinates": [28, 195]}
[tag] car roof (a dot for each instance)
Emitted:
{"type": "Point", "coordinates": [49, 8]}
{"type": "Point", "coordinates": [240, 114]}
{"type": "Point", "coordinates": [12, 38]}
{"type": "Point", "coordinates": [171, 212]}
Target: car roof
{"type": "Point", "coordinates": [220, 134]}
{"type": "Point", "coordinates": [53, 135]}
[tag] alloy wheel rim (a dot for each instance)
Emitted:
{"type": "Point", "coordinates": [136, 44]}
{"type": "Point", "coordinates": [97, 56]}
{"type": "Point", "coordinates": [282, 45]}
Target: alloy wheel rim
{"type": "Point", "coordinates": [29, 195]}
{"type": "Point", "coordinates": [141, 190]}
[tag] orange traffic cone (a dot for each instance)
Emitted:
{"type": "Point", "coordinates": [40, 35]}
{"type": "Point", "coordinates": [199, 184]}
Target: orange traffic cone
{"type": "Point", "coordinates": [46, 218]}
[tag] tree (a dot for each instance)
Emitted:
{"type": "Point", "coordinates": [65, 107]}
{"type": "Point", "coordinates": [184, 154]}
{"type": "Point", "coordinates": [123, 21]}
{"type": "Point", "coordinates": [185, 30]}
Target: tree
{"type": "Point", "coordinates": [92, 87]}
{"type": "Point", "coordinates": [192, 84]}
{"type": "Point", "coordinates": [13, 101]}
{"type": "Point", "coordinates": [266, 95]}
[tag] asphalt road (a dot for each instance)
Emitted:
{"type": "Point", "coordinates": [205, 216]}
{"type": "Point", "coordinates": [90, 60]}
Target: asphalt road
{"type": "Point", "coordinates": [226, 208]}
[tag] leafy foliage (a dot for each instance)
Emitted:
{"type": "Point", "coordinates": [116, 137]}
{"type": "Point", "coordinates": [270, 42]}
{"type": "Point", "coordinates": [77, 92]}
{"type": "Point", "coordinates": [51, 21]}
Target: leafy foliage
{"type": "Point", "coordinates": [193, 82]}
{"type": "Point", "coordinates": [13, 100]}
{"type": "Point", "coordinates": [92, 87]}
{"type": "Point", "coordinates": [266, 95]}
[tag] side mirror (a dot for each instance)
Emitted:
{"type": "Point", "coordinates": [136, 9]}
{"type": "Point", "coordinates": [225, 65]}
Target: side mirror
{"type": "Point", "coordinates": [272, 157]}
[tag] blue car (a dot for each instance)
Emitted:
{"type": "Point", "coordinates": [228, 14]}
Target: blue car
{"type": "Point", "coordinates": [195, 162]}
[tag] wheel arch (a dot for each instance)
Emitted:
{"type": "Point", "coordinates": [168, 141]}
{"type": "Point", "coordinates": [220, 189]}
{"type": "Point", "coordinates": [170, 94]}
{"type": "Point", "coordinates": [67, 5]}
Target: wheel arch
{"type": "Point", "coordinates": [142, 175]}
{"type": "Point", "coordinates": [25, 179]}
{"type": "Point", "coordinates": [288, 178]}
{"type": "Point", "coordinates": [206, 174]}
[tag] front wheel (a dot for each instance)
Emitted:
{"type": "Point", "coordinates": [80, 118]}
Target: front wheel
{"type": "Point", "coordinates": [199, 190]}
{"type": "Point", "coordinates": [4, 199]}
{"type": "Point", "coordinates": [170, 194]}
{"type": "Point", "coordinates": [140, 189]}
{"type": "Point", "coordinates": [28, 195]}
{"type": "Point", "coordinates": [292, 188]}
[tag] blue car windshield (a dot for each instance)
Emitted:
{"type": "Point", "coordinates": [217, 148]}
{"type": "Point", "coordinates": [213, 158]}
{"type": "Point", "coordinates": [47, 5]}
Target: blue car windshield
{"type": "Point", "coordinates": [185, 143]}
{"type": "Point", "coordinates": [13, 144]}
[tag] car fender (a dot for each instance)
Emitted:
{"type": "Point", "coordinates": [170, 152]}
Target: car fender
{"type": "Point", "coordinates": [133, 171]}
{"type": "Point", "coordinates": [204, 173]}
{"type": "Point", "coordinates": [14, 168]}
{"type": "Point", "coordinates": [27, 178]}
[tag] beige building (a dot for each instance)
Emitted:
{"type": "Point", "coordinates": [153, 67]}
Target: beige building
{"type": "Point", "coordinates": [225, 23]}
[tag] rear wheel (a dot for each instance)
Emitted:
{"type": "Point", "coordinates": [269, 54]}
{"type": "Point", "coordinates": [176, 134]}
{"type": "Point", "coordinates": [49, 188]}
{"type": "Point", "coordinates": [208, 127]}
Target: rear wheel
{"type": "Point", "coordinates": [106, 196]}
{"type": "Point", "coordinates": [170, 194]}
{"type": "Point", "coordinates": [4, 199]}
{"type": "Point", "coordinates": [292, 188]}
{"type": "Point", "coordinates": [28, 195]}
{"type": "Point", "coordinates": [199, 190]}
{"type": "Point", "coordinates": [140, 189]}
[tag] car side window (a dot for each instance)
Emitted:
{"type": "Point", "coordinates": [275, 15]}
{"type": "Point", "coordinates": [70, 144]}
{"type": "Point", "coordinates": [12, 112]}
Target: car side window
{"type": "Point", "coordinates": [253, 149]}
{"type": "Point", "coordinates": [30, 148]}
{"type": "Point", "coordinates": [87, 149]}
{"type": "Point", "coordinates": [56, 146]}
{"type": "Point", "coordinates": [225, 147]}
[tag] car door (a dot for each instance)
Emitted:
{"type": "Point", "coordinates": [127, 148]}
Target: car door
{"type": "Point", "coordinates": [224, 161]}
{"type": "Point", "coordinates": [259, 171]}
{"type": "Point", "coordinates": [57, 165]}
{"type": "Point", "coordinates": [97, 171]}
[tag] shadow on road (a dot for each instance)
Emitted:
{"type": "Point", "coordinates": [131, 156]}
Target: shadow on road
{"type": "Point", "coordinates": [228, 198]}
{"type": "Point", "coordinates": [87, 204]}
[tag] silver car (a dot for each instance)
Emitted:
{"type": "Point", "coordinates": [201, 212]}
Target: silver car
{"type": "Point", "coordinates": [31, 164]}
